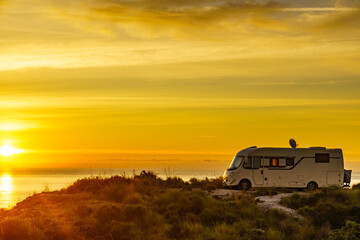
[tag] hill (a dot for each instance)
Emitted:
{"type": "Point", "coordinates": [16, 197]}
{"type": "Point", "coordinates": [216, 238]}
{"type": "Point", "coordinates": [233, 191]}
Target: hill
{"type": "Point", "coordinates": [147, 207]}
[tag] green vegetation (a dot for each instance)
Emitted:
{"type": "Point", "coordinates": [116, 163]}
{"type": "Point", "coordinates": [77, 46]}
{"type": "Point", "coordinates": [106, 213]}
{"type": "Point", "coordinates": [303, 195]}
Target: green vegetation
{"type": "Point", "coordinates": [351, 231]}
{"type": "Point", "coordinates": [147, 207]}
{"type": "Point", "coordinates": [329, 209]}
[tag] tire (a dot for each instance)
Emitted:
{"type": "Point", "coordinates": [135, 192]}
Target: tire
{"type": "Point", "coordinates": [244, 185]}
{"type": "Point", "coordinates": [312, 186]}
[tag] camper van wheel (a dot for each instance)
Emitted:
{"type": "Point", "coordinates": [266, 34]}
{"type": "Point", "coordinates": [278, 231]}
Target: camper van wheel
{"type": "Point", "coordinates": [312, 186]}
{"type": "Point", "coordinates": [244, 185]}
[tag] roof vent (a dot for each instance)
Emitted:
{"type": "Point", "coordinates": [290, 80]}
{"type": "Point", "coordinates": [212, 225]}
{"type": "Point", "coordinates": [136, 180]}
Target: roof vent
{"type": "Point", "coordinates": [318, 148]}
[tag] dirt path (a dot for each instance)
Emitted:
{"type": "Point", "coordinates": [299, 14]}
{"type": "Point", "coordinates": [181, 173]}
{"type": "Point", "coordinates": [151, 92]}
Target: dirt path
{"type": "Point", "coordinates": [265, 202]}
{"type": "Point", "coordinates": [273, 202]}
{"type": "Point", "coordinates": [225, 193]}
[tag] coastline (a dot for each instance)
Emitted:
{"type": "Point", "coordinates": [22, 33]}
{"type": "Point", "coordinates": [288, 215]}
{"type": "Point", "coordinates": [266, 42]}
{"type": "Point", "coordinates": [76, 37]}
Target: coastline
{"type": "Point", "coordinates": [148, 207]}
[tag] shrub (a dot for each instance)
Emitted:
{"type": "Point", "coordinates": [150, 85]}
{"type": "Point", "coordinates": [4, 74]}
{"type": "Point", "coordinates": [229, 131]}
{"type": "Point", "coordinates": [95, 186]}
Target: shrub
{"type": "Point", "coordinates": [18, 229]}
{"type": "Point", "coordinates": [86, 185]}
{"type": "Point", "coordinates": [324, 212]}
{"type": "Point", "coordinates": [116, 194]}
{"type": "Point", "coordinates": [107, 213]}
{"type": "Point", "coordinates": [356, 186]}
{"type": "Point", "coordinates": [123, 230]}
{"type": "Point", "coordinates": [133, 197]}
{"type": "Point", "coordinates": [207, 184]}
{"type": "Point", "coordinates": [134, 212]}
{"type": "Point", "coordinates": [351, 231]}
{"type": "Point", "coordinates": [227, 232]}
{"type": "Point", "coordinates": [332, 204]}
{"type": "Point", "coordinates": [174, 182]}
{"type": "Point", "coordinates": [147, 207]}
{"type": "Point", "coordinates": [82, 210]}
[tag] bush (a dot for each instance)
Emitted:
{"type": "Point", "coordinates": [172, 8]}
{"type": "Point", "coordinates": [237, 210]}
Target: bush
{"type": "Point", "coordinates": [116, 194]}
{"type": "Point", "coordinates": [107, 213]}
{"type": "Point", "coordinates": [351, 231]}
{"type": "Point", "coordinates": [333, 205]}
{"type": "Point", "coordinates": [324, 212]}
{"type": "Point", "coordinates": [174, 182]}
{"type": "Point", "coordinates": [356, 187]}
{"type": "Point", "coordinates": [17, 229]}
{"type": "Point", "coordinates": [82, 210]}
{"type": "Point", "coordinates": [134, 212]}
{"type": "Point", "coordinates": [148, 207]}
{"type": "Point", "coordinates": [92, 185]}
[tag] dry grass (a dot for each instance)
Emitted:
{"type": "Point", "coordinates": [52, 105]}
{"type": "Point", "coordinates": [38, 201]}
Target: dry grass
{"type": "Point", "coordinates": [147, 207]}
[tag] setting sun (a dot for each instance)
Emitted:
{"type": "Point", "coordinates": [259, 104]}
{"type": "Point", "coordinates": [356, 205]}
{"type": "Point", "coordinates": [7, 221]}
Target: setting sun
{"type": "Point", "coordinates": [8, 150]}
{"type": "Point", "coordinates": [176, 119]}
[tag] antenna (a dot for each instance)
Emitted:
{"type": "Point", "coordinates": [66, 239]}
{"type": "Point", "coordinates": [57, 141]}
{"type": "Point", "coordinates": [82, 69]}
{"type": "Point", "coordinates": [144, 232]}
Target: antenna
{"type": "Point", "coordinates": [292, 143]}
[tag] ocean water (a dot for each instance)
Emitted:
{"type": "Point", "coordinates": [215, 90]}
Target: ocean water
{"type": "Point", "coordinates": [16, 185]}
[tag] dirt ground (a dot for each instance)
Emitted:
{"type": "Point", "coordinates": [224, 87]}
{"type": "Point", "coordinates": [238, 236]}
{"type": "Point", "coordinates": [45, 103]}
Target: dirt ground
{"type": "Point", "coordinates": [265, 202]}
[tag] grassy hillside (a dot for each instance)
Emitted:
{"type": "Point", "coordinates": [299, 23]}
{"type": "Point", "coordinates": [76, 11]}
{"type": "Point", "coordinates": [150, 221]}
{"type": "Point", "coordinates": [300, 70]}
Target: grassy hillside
{"type": "Point", "coordinates": [147, 207]}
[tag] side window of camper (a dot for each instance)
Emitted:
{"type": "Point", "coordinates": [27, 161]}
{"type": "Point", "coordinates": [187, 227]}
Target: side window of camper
{"type": "Point", "coordinates": [247, 162]}
{"type": "Point", "coordinates": [290, 161]}
{"type": "Point", "coordinates": [257, 162]}
{"type": "Point", "coordinates": [274, 162]}
{"type": "Point", "coordinates": [266, 162]}
{"type": "Point", "coordinates": [282, 162]}
{"type": "Point", "coordinates": [322, 157]}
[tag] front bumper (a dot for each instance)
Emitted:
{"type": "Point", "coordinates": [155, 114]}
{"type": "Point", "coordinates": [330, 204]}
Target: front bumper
{"type": "Point", "coordinates": [229, 179]}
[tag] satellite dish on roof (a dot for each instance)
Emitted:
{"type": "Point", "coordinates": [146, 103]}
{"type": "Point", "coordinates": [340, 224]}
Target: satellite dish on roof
{"type": "Point", "coordinates": [292, 143]}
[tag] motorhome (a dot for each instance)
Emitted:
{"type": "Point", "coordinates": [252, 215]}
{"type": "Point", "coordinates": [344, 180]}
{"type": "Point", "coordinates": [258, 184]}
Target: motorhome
{"type": "Point", "coordinates": [311, 168]}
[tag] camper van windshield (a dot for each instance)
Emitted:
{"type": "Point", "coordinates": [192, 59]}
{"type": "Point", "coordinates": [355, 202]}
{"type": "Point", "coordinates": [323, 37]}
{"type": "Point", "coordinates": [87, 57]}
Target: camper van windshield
{"type": "Point", "coordinates": [236, 162]}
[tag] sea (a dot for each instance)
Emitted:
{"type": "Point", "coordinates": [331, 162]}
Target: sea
{"type": "Point", "coordinates": [17, 185]}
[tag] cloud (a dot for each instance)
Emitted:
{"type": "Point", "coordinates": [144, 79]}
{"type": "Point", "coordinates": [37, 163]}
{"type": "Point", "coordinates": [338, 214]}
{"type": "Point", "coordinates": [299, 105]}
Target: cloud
{"type": "Point", "coordinates": [133, 32]}
{"type": "Point", "coordinates": [179, 6]}
{"type": "Point", "coordinates": [347, 3]}
{"type": "Point", "coordinates": [153, 19]}
{"type": "Point", "coordinates": [210, 19]}
{"type": "Point", "coordinates": [344, 21]}
{"type": "Point", "coordinates": [340, 22]}
{"type": "Point", "coordinates": [178, 12]}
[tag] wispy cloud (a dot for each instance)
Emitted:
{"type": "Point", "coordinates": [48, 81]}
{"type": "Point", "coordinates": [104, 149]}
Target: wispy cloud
{"type": "Point", "coordinates": [70, 34]}
{"type": "Point", "coordinates": [176, 103]}
{"type": "Point", "coordinates": [172, 18]}
{"type": "Point", "coordinates": [180, 18]}
{"type": "Point", "coordinates": [349, 20]}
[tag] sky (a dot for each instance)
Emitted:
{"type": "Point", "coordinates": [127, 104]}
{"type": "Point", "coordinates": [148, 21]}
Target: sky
{"type": "Point", "coordinates": [176, 83]}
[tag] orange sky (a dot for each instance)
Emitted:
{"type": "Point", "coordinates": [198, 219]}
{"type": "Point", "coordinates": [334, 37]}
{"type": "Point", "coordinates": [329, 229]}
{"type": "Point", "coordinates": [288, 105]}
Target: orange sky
{"type": "Point", "coordinates": [183, 84]}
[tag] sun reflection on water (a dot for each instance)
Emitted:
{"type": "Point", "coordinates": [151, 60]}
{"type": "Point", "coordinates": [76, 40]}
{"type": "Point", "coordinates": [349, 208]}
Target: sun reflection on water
{"type": "Point", "coordinates": [6, 191]}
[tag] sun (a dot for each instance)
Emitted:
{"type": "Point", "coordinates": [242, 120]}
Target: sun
{"type": "Point", "coordinates": [8, 150]}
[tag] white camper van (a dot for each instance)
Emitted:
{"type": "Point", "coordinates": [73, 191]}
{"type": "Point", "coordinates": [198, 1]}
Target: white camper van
{"type": "Point", "coordinates": [311, 168]}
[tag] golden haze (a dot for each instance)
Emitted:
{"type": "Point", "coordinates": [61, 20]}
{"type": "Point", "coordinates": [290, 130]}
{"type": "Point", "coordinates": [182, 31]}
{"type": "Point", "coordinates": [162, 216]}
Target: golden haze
{"type": "Point", "coordinates": [175, 84]}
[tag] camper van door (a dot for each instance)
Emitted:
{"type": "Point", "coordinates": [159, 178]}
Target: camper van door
{"type": "Point", "coordinates": [258, 170]}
